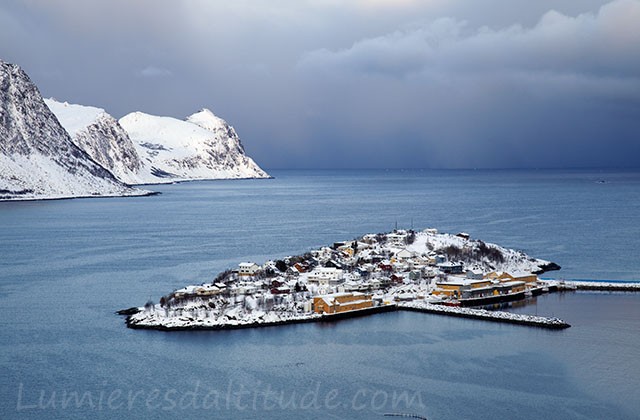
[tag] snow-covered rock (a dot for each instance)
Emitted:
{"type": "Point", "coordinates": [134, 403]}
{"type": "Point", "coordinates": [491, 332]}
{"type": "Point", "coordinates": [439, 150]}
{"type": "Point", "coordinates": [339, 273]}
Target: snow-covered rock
{"type": "Point", "coordinates": [475, 253]}
{"type": "Point", "coordinates": [203, 147]}
{"type": "Point", "coordinates": [38, 158]}
{"type": "Point", "coordinates": [101, 137]}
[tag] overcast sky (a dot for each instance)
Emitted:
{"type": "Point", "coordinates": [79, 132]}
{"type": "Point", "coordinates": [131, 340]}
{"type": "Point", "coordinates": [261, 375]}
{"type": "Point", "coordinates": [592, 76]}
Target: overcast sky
{"type": "Point", "coordinates": [356, 83]}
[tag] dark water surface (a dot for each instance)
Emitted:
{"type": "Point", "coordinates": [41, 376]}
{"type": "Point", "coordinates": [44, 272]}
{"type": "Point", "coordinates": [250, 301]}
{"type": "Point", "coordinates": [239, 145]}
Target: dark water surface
{"type": "Point", "coordinates": [66, 266]}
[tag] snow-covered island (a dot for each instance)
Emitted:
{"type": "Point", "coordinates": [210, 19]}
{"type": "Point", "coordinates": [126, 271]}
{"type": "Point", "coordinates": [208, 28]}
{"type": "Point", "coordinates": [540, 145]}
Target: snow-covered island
{"type": "Point", "coordinates": [401, 270]}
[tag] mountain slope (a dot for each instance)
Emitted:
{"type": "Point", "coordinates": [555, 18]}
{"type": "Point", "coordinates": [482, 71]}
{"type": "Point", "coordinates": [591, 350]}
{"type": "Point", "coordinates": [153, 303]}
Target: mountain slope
{"type": "Point", "coordinates": [38, 159]}
{"type": "Point", "coordinates": [229, 139]}
{"type": "Point", "coordinates": [101, 137]}
{"type": "Point", "coordinates": [173, 149]}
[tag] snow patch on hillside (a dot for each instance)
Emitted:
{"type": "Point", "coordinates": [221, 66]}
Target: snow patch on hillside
{"type": "Point", "coordinates": [74, 118]}
{"type": "Point", "coordinates": [510, 260]}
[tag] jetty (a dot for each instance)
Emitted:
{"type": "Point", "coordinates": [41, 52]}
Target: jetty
{"type": "Point", "coordinates": [484, 315]}
{"type": "Point", "coordinates": [598, 285]}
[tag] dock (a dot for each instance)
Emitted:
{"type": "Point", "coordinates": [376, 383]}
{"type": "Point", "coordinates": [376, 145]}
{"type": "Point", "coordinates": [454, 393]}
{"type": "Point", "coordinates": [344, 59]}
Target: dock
{"type": "Point", "coordinates": [604, 286]}
{"type": "Point", "coordinates": [484, 315]}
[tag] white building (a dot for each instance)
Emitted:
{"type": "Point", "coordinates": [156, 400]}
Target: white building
{"type": "Point", "coordinates": [325, 278]}
{"type": "Point", "coordinates": [248, 269]}
{"type": "Point", "coordinates": [396, 239]}
{"type": "Point", "coordinates": [244, 288]}
{"type": "Point", "coordinates": [404, 254]}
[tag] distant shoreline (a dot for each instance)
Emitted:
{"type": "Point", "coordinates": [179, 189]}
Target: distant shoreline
{"type": "Point", "coordinates": [142, 194]}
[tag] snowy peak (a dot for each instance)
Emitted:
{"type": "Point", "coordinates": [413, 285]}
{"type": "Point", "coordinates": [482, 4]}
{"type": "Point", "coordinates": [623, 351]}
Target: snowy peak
{"type": "Point", "coordinates": [20, 105]}
{"type": "Point", "coordinates": [207, 120]}
{"type": "Point", "coordinates": [74, 117]}
{"type": "Point", "coordinates": [224, 133]}
{"type": "Point", "coordinates": [38, 159]}
{"type": "Point", "coordinates": [203, 147]}
{"type": "Point", "coordinates": [101, 137]}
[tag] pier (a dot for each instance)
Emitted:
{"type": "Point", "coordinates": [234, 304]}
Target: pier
{"type": "Point", "coordinates": [484, 315]}
{"type": "Point", "coordinates": [599, 285]}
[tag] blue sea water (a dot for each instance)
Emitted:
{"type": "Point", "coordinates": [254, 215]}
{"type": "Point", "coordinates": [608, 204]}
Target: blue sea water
{"type": "Point", "coordinates": [66, 266]}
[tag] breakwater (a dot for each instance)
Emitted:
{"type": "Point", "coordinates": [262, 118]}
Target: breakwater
{"type": "Point", "coordinates": [482, 314]}
{"type": "Point", "coordinates": [605, 286]}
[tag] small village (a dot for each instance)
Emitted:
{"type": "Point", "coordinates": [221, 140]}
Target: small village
{"type": "Point", "coordinates": [370, 273]}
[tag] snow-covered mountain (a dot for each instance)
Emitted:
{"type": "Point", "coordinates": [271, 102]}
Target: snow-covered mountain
{"type": "Point", "coordinates": [165, 149]}
{"type": "Point", "coordinates": [203, 147]}
{"type": "Point", "coordinates": [101, 136]}
{"type": "Point", "coordinates": [38, 159]}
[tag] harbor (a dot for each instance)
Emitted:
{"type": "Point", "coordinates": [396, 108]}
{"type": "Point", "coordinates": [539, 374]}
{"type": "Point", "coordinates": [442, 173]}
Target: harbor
{"type": "Point", "coordinates": [426, 271]}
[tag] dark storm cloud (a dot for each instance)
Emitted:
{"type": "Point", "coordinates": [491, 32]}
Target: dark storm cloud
{"type": "Point", "coordinates": [359, 83]}
{"type": "Point", "coordinates": [564, 91]}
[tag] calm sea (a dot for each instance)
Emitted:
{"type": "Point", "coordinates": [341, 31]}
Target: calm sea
{"type": "Point", "coordinates": [66, 266]}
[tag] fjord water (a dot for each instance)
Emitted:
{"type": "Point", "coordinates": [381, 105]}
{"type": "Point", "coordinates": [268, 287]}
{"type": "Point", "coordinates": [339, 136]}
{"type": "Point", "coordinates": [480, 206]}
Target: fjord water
{"type": "Point", "coordinates": [66, 266]}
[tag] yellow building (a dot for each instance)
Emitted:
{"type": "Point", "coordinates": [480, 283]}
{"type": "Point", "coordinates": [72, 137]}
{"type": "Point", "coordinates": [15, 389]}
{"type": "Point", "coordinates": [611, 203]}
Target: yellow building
{"type": "Point", "coordinates": [514, 286]}
{"type": "Point", "coordinates": [466, 288]}
{"type": "Point", "coordinates": [457, 287]}
{"type": "Point", "coordinates": [207, 290]}
{"type": "Point", "coordinates": [341, 302]}
{"type": "Point", "coordinates": [347, 250]}
{"type": "Point", "coordinates": [504, 276]}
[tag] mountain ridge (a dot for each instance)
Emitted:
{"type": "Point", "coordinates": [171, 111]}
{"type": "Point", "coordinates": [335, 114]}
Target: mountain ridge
{"type": "Point", "coordinates": [38, 158]}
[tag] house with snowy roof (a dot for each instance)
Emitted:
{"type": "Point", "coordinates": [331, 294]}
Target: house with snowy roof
{"type": "Point", "coordinates": [504, 276]}
{"type": "Point", "coordinates": [328, 276]}
{"type": "Point", "coordinates": [248, 269]}
{"type": "Point", "coordinates": [397, 239]}
{"type": "Point", "coordinates": [341, 302]}
{"type": "Point", "coordinates": [450, 267]}
{"type": "Point", "coordinates": [404, 254]}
